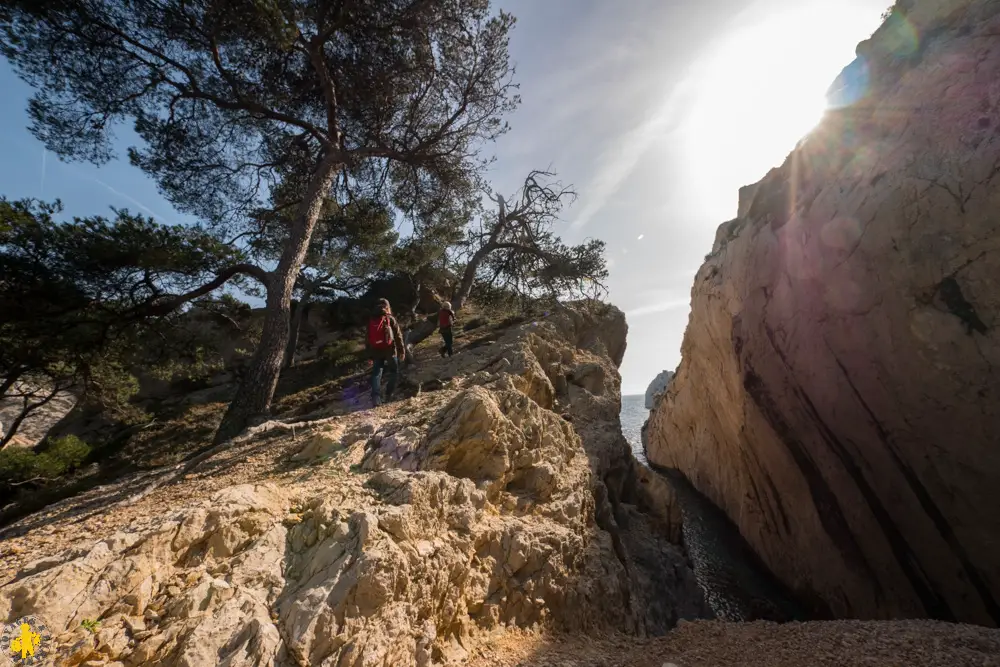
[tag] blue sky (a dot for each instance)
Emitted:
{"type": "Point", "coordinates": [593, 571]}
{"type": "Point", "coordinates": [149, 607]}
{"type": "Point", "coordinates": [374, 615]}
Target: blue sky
{"type": "Point", "coordinates": [655, 110]}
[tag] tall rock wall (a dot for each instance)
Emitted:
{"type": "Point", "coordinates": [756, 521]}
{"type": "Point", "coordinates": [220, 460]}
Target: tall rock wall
{"type": "Point", "coordinates": [839, 394]}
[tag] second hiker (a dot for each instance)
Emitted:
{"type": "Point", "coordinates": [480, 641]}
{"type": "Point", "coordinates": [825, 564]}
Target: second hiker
{"type": "Point", "coordinates": [384, 344]}
{"type": "Point", "coordinates": [446, 318]}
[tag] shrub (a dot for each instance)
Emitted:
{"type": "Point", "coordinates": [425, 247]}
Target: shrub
{"type": "Point", "coordinates": [63, 455]}
{"type": "Point", "coordinates": [343, 351]}
{"type": "Point", "coordinates": [475, 323]}
{"type": "Point", "coordinates": [17, 463]}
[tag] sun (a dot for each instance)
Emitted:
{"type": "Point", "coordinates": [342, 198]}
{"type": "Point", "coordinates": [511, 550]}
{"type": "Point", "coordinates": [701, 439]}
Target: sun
{"type": "Point", "coordinates": [759, 89]}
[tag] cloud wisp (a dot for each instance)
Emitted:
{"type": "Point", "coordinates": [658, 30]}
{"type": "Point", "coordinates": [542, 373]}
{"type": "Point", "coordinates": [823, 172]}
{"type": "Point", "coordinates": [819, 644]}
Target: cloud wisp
{"type": "Point", "coordinates": [619, 161]}
{"type": "Point", "coordinates": [658, 307]}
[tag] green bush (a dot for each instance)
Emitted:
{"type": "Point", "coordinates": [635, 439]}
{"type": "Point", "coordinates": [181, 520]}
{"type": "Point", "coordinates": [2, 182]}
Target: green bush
{"type": "Point", "coordinates": [343, 351]}
{"type": "Point", "coordinates": [63, 455]}
{"type": "Point", "coordinates": [17, 463]}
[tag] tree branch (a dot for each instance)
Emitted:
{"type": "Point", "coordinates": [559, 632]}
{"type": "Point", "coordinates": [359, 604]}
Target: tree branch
{"type": "Point", "coordinates": [10, 381]}
{"type": "Point", "coordinates": [25, 412]}
{"type": "Point", "coordinates": [527, 249]}
{"type": "Point", "coordinates": [170, 304]}
{"type": "Point", "coordinates": [193, 91]}
{"type": "Point", "coordinates": [329, 90]}
{"type": "Point", "coordinates": [29, 481]}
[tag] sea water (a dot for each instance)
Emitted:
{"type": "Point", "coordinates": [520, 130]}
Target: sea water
{"type": "Point", "coordinates": [633, 415]}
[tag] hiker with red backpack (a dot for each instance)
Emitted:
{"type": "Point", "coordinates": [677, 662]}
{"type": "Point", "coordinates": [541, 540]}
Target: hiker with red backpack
{"type": "Point", "coordinates": [446, 318]}
{"type": "Point", "coordinates": [384, 344]}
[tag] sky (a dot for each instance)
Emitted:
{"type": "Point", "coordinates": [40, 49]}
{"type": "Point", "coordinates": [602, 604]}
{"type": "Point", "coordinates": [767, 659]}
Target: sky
{"type": "Point", "coordinates": [656, 111]}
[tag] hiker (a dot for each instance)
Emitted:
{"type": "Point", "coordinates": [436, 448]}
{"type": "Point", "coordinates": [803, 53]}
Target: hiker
{"type": "Point", "coordinates": [384, 344]}
{"type": "Point", "coordinates": [446, 318]}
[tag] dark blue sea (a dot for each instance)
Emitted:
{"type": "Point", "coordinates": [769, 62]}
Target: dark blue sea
{"type": "Point", "coordinates": [633, 415]}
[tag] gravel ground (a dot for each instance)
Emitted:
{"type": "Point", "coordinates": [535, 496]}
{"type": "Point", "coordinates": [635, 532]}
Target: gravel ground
{"type": "Point", "coordinates": [764, 644]}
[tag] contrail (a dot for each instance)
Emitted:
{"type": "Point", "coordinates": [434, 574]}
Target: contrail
{"type": "Point", "coordinates": [125, 196]}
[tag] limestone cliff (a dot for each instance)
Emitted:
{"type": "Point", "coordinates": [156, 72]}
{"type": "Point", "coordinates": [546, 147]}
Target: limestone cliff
{"type": "Point", "coordinates": [501, 496]}
{"type": "Point", "coordinates": [656, 388]}
{"type": "Point", "coordinates": [839, 394]}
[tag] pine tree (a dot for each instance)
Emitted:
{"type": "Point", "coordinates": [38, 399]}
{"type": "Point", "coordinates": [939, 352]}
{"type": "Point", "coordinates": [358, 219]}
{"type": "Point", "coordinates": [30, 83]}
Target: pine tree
{"type": "Point", "coordinates": [230, 97]}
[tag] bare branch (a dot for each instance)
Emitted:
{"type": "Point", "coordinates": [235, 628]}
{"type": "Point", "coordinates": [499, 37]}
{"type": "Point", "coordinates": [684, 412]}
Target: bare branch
{"type": "Point", "coordinates": [172, 303]}
{"type": "Point", "coordinates": [26, 411]}
{"type": "Point", "coordinates": [519, 247]}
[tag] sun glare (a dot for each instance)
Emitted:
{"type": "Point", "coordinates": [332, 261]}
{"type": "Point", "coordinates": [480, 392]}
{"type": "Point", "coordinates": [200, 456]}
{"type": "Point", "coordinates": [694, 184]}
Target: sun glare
{"type": "Point", "coordinates": [760, 89]}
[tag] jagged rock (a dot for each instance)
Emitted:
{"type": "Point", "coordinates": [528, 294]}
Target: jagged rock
{"type": "Point", "coordinates": [657, 387]}
{"type": "Point", "coordinates": [838, 395]}
{"type": "Point", "coordinates": [406, 536]}
{"type": "Point", "coordinates": [323, 444]}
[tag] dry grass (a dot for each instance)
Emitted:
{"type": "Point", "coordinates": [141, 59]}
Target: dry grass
{"type": "Point", "coordinates": [168, 442]}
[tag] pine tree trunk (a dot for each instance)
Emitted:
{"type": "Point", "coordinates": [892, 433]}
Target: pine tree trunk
{"type": "Point", "coordinates": [465, 287]}
{"type": "Point", "coordinates": [253, 397]}
{"type": "Point", "coordinates": [298, 314]}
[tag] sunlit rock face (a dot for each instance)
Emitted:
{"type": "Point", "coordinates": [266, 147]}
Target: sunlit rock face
{"type": "Point", "coordinates": [505, 498]}
{"type": "Point", "coordinates": [657, 387]}
{"type": "Point", "coordinates": [745, 199]}
{"type": "Point", "coordinates": [839, 394]}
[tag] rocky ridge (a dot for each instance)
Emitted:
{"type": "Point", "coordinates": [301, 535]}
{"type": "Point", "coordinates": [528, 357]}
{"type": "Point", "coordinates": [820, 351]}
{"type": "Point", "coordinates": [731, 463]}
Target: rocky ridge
{"type": "Point", "coordinates": [838, 392]}
{"type": "Point", "coordinates": [506, 497]}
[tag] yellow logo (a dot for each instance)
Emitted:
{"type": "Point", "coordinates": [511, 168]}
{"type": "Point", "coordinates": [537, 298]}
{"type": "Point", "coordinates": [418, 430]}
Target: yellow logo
{"type": "Point", "coordinates": [25, 641]}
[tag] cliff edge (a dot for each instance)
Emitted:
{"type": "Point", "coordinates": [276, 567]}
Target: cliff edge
{"type": "Point", "coordinates": [839, 390]}
{"type": "Point", "coordinates": [500, 495]}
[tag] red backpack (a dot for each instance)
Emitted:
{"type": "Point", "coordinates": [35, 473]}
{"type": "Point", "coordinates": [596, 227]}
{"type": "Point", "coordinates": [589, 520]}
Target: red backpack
{"type": "Point", "coordinates": [380, 333]}
{"type": "Point", "coordinates": [445, 318]}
